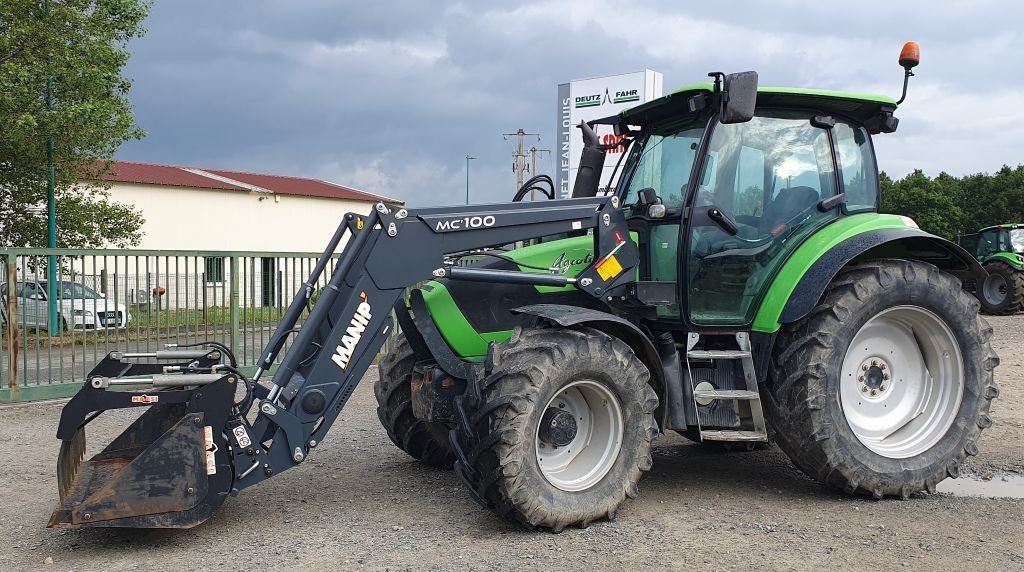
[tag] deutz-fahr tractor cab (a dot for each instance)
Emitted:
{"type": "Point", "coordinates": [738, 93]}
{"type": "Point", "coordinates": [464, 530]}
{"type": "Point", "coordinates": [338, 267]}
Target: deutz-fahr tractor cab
{"type": "Point", "coordinates": [1000, 249]}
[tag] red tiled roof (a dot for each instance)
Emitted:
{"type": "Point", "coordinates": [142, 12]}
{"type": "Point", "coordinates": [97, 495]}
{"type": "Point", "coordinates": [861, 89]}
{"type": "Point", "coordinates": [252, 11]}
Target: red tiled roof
{"type": "Point", "coordinates": [199, 178]}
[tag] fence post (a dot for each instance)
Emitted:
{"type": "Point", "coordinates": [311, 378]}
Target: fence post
{"type": "Point", "coordinates": [13, 341]}
{"type": "Point", "coordinates": [234, 305]}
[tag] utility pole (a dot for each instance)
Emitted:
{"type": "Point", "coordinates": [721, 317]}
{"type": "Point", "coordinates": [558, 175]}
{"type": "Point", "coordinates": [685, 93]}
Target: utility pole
{"type": "Point", "coordinates": [533, 166]}
{"type": "Point", "coordinates": [468, 159]}
{"type": "Point", "coordinates": [519, 166]}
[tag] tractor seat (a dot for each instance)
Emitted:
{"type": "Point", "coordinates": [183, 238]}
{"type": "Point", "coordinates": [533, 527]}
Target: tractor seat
{"type": "Point", "coordinates": [786, 204]}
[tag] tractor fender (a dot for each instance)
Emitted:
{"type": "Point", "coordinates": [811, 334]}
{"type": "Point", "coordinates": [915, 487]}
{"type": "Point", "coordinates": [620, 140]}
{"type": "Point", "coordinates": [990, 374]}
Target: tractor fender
{"type": "Point", "coordinates": [612, 325]}
{"type": "Point", "coordinates": [903, 243]}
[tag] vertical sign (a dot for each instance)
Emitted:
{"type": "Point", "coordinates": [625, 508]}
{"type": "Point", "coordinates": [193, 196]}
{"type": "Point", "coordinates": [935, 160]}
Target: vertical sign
{"type": "Point", "coordinates": [590, 99]}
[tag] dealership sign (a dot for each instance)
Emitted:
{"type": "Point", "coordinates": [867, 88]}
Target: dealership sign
{"type": "Point", "coordinates": [594, 98]}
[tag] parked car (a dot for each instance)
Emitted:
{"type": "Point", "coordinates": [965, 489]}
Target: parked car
{"type": "Point", "coordinates": [79, 306]}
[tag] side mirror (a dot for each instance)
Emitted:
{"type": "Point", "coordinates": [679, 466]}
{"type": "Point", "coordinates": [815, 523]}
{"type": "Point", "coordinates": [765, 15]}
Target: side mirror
{"type": "Point", "coordinates": [739, 97]}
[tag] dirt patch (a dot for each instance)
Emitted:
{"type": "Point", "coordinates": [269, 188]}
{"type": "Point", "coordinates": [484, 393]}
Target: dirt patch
{"type": "Point", "coordinates": [359, 502]}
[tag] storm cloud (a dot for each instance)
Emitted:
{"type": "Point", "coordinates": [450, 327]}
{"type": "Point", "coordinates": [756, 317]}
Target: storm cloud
{"type": "Point", "coordinates": [391, 96]}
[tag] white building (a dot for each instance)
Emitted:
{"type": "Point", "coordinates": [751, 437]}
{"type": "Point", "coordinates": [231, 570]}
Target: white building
{"type": "Point", "coordinates": [188, 208]}
{"type": "Point", "coordinates": [195, 211]}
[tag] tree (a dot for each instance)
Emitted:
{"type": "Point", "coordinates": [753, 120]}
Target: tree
{"type": "Point", "coordinates": [933, 206]}
{"type": "Point", "coordinates": [80, 46]}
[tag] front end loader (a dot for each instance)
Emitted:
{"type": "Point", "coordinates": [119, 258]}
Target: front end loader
{"type": "Point", "coordinates": [737, 286]}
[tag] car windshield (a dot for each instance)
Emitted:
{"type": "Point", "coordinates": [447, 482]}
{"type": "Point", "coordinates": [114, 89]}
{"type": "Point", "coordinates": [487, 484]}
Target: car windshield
{"type": "Point", "coordinates": [665, 165]}
{"type": "Point", "coordinates": [73, 291]}
{"type": "Point", "coordinates": [1017, 240]}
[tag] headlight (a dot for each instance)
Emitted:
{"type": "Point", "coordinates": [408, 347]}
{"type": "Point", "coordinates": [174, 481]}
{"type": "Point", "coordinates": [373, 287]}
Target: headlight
{"type": "Point", "coordinates": [81, 312]}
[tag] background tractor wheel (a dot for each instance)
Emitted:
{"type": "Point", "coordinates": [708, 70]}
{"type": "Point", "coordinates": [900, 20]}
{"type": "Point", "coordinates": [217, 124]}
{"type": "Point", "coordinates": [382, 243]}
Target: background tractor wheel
{"type": "Point", "coordinates": [425, 441]}
{"type": "Point", "coordinates": [560, 430]}
{"type": "Point", "coordinates": [884, 388]}
{"type": "Point", "coordinates": [1003, 291]}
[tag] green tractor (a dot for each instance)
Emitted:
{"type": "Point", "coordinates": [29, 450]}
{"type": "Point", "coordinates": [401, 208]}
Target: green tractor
{"type": "Point", "coordinates": [1000, 249]}
{"type": "Point", "coordinates": [737, 286]}
{"type": "Point", "coordinates": [772, 302]}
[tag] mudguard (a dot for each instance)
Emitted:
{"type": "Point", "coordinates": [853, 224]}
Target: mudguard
{"type": "Point", "coordinates": [610, 324]}
{"type": "Point", "coordinates": [905, 243]}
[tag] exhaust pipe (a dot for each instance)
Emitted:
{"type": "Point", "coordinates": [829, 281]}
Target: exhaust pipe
{"type": "Point", "coordinates": [591, 163]}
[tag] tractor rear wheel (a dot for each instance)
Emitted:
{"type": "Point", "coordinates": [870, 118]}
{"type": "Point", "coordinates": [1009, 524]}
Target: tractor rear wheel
{"type": "Point", "coordinates": [1003, 291]}
{"type": "Point", "coordinates": [559, 432]}
{"type": "Point", "coordinates": [884, 388]}
{"type": "Point", "coordinates": [424, 440]}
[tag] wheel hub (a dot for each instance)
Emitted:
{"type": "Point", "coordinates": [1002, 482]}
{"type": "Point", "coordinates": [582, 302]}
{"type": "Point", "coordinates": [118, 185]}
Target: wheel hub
{"type": "Point", "coordinates": [557, 427]}
{"type": "Point", "coordinates": [874, 378]}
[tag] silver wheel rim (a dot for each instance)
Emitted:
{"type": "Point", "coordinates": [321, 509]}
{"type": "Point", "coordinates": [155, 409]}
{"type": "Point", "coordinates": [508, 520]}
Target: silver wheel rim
{"type": "Point", "coordinates": [995, 289]}
{"type": "Point", "coordinates": [585, 460]}
{"type": "Point", "coordinates": [902, 382]}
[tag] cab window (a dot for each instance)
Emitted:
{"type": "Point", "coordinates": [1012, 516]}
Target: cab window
{"type": "Point", "coordinates": [857, 165]}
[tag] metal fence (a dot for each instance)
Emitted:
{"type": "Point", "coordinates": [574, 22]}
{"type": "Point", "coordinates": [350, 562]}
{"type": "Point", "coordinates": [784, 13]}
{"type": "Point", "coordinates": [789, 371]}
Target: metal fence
{"type": "Point", "coordinates": [137, 301]}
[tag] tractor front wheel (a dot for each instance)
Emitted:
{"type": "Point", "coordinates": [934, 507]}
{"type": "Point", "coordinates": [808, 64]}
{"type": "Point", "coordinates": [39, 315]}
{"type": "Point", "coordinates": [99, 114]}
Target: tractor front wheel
{"type": "Point", "coordinates": [559, 432]}
{"type": "Point", "coordinates": [1002, 292]}
{"type": "Point", "coordinates": [884, 388]}
{"type": "Point", "coordinates": [423, 440]}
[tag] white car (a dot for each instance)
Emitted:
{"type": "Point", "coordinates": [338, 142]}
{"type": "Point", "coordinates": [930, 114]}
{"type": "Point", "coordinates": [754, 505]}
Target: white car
{"type": "Point", "coordinates": [79, 307]}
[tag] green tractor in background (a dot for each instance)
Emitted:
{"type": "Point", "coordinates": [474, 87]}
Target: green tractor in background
{"type": "Point", "coordinates": [1000, 249]}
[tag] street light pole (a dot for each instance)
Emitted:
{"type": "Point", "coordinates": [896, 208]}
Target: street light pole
{"type": "Point", "coordinates": [51, 209]}
{"type": "Point", "coordinates": [468, 158]}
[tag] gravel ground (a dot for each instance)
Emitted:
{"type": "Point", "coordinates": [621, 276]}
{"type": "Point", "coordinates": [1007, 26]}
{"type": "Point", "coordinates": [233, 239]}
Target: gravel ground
{"type": "Point", "coordinates": [360, 503]}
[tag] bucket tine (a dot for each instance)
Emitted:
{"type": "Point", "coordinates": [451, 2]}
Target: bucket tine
{"type": "Point", "coordinates": [68, 460]}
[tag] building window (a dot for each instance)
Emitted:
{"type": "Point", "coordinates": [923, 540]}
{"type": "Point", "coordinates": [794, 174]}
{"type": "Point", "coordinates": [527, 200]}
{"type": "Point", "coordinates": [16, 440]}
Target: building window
{"type": "Point", "coordinates": [214, 269]}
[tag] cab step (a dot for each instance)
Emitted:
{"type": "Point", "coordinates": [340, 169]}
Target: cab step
{"type": "Point", "coordinates": [750, 392]}
{"type": "Point", "coordinates": [716, 435]}
{"type": "Point", "coordinates": [726, 394]}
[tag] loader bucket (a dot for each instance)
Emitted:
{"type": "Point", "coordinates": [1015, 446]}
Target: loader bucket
{"type": "Point", "coordinates": [169, 469]}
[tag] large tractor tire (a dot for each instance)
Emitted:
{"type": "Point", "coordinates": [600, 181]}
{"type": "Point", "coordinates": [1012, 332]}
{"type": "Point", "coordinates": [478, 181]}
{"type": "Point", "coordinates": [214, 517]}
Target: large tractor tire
{"type": "Point", "coordinates": [1003, 291]}
{"type": "Point", "coordinates": [884, 388]}
{"type": "Point", "coordinates": [425, 441]}
{"type": "Point", "coordinates": [559, 432]}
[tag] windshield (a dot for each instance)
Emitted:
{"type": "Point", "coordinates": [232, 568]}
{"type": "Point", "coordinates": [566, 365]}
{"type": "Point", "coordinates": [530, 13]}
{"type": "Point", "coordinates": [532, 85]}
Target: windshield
{"type": "Point", "coordinates": [72, 291]}
{"type": "Point", "coordinates": [1017, 240]}
{"type": "Point", "coordinates": [665, 165]}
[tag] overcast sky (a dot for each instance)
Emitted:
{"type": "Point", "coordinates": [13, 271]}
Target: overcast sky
{"type": "Point", "coordinates": [390, 96]}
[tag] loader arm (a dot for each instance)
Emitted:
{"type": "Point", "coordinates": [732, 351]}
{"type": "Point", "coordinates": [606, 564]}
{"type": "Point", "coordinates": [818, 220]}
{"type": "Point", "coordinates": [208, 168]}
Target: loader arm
{"type": "Point", "coordinates": [194, 445]}
{"type": "Point", "coordinates": [396, 249]}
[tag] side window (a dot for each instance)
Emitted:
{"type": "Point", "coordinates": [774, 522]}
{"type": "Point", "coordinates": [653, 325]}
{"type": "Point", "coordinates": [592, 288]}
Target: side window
{"type": "Point", "coordinates": [987, 244]}
{"type": "Point", "coordinates": [857, 164]}
{"type": "Point", "coordinates": [214, 269]}
{"type": "Point", "coordinates": [665, 166]}
{"type": "Point", "coordinates": [26, 290]}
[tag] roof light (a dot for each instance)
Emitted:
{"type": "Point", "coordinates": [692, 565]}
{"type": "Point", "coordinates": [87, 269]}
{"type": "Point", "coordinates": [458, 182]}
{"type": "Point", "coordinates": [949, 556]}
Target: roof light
{"type": "Point", "coordinates": [910, 55]}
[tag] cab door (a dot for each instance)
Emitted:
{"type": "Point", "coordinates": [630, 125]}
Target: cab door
{"type": "Point", "coordinates": [762, 183]}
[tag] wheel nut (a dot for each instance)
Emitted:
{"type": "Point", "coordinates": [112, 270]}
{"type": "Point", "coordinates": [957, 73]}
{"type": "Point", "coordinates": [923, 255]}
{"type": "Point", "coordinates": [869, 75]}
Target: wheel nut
{"type": "Point", "coordinates": [885, 377]}
{"type": "Point", "coordinates": [882, 366]}
{"type": "Point", "coordinates": [881, 388]}
{"type": "Point", "coordinates": [860, 378]}
{"type": "Point", "coordinates": [874, 363]}
{"type": "Point", "coordinates": [864, 367]}
{"type": "Point", "coordinates": [864, 388]}
{"type": "Point", "coordinates": [874, 392]}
